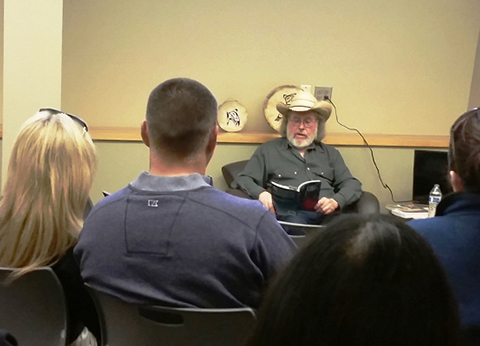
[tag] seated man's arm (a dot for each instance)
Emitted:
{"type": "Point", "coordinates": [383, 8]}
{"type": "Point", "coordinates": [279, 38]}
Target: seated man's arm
{"type": "Point", "coordinates": [347, 188]}
{"type": "Point", "coordinates": [253, 179]}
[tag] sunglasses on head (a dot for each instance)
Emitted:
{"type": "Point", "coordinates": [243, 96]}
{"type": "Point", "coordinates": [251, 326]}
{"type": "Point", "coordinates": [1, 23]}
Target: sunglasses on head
{"type": "Point", "coordinates": [74, 117]}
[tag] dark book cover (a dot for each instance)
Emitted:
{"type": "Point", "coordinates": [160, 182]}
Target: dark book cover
{"type": "Point", "coordinates": [287, 200]}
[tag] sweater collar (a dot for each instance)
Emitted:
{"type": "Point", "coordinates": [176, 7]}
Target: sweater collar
{"type": "Point", "coordinates": [458, 201]}
{"type": "Point", "coordinates": [150, 182]}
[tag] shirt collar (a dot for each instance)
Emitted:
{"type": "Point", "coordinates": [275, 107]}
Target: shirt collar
{"type": "Point", "coordinates": [150, 182]}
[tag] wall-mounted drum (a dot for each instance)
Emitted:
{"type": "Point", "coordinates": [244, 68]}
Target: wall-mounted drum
{"type": "Point", "coordinates": [285, 94]}
{"type": "Point", "coordinates": [232, 116]}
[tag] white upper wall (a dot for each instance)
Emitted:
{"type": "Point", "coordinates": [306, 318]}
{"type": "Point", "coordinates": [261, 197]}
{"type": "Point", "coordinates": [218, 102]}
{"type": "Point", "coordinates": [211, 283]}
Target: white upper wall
{"type": "Point", "coordinates": [32, 64]}
{"type": "Point", "coordinates": [475, 91]}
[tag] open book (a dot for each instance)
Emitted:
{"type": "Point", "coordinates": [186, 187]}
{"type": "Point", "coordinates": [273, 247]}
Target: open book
{"type": "Point", "coordinates": [287, 200]}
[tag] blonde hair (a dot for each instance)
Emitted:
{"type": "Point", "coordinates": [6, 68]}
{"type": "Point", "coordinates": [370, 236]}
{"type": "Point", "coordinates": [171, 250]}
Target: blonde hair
{"type": "Point", "coordinates": [49, 178]}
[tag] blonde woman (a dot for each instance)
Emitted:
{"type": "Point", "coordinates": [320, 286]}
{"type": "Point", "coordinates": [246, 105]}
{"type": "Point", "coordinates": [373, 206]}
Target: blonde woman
{"type": "Point", "coordinates": [49, 177]}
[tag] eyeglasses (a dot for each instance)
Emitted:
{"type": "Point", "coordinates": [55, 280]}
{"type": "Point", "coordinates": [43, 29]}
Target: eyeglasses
{"type": "Point", "coordinates": [74, 117]}
{"type": "Point", "coordinates": [307, 122]}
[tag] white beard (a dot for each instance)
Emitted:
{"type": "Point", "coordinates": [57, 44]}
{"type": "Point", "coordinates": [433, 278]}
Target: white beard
{"type": "Point", "coordinates": [301, 143]}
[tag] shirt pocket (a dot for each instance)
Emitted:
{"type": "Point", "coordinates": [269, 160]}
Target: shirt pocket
{"type": "Point", "coordinates": [283, 175]}
{"type": "Point", "coordinates": [326, 173]}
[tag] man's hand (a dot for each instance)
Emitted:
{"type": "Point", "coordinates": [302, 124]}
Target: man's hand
{"type": "Point", "coordinates": [326, 206]}
{"type": "Point", "coordinates": [266, 198]}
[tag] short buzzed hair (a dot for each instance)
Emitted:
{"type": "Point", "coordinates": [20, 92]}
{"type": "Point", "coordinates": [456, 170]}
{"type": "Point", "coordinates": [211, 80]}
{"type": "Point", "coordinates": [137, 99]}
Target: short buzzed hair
{"type": "Point", "coordinates": [181, 113]}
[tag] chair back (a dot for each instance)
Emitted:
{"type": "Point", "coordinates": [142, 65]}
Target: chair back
{"type": "Point", "coordinates": [232, 170]}
{"type": "Point", "coordinates": [131, 324]}
{"type": "Point", "coordinates": [33, 307]}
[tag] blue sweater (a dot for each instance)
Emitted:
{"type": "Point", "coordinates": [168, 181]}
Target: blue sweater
{"type": "Point", "coordinates": [180, 242]}
{"type": "Point", "coordinates": [454, 234]}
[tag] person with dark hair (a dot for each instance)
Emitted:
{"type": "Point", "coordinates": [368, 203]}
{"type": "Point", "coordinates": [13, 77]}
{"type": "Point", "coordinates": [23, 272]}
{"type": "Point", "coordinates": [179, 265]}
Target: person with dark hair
{"type": "Point", "coordinates": [363, 281]}
{"type": "Point", "coordinates": [298, 156]}
{"type": "Point", "coordinates": [169, 237]}
{"type": "Point", "coordinates": [454, 232]}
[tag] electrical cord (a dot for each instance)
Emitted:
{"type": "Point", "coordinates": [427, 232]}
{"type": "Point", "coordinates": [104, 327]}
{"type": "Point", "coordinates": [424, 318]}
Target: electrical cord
{"type": "Point", "coordinates": [385, 186]}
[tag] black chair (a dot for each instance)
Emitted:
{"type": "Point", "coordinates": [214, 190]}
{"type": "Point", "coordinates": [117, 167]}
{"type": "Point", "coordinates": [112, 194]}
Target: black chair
{"type": "Point", "coordinates": [7, 339]}
{"type": "Point", "coordinates": [33, 307]}
{"type": "Point", "coordinates": [367, 204]}
{"type": "Point", "coordinates": [126, 324]}
{"type": "Point", "coordinates": [88, 208]}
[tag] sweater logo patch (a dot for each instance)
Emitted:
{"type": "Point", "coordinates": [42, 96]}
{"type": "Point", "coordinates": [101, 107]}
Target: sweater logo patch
{"type": "Point", "coordinates": [153, 203]}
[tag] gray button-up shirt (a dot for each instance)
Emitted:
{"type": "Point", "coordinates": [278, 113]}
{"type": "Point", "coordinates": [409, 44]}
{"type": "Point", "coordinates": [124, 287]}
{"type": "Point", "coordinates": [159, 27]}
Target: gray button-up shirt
{"type": "Point", "coordinates": [279, 161]}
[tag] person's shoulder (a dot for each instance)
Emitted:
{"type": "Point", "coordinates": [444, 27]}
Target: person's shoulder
{"type": "Point", "coordinates": [65, 263]}
{"type": "Point", "coordinates": [327, 147]}
{"type": "Point", "coordinates": [250, 213]}
{"type": "Point", "coordinates": [272, 145]}
{"type": "Point", "coordinates": [274, 142]}
{"type": "Point", "coordinates": [244, 210]}
{"type": "Point", "coordinates": [221, 198]}
{"type": "Point", "coordinates": [427, 227]}
{"type": "Point", "coordinates": [418, 223]}
{"type": "Point", "coordinates": [67, 269]}
{"type": "Point", "coordinates": [110, 200]}
{"type": "Point", "coordinates": [120, 194]}
{"type": "Point", "coordinates": [277, 141]}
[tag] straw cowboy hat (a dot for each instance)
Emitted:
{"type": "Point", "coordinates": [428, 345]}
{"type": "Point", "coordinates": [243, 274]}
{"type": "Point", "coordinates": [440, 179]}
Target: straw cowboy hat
{"type": "Point", "coordinates": [305, 101]}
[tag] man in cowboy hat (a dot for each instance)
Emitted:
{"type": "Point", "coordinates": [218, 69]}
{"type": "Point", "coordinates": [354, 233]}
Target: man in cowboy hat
{"type": "Point", "coordinates": [300, 156]}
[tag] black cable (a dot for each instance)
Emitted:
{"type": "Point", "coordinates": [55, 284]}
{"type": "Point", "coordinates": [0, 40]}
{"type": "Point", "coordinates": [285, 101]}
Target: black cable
{"type": "Point", "coordinates": [385, 186]}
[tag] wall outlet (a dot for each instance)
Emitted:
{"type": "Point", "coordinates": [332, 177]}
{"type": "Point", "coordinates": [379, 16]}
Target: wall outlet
{"type": "Point", "coordinates": [323, 93]}
{"type": "Point", "coordinates": [306, 87]}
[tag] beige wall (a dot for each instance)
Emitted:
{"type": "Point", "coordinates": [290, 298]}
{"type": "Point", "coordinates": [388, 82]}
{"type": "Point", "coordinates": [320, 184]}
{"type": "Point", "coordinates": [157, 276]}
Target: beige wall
{"type": "Point", "coordinates": [394, 65]}
{"type": "Point", "coordinates": [475, 90]}
{"type": "Point", "coordinates": [32, 64]}
{"type": "Point", "coordinates": [1, 58]}
{"type": "Point", "coordinates": [397, 67]}
{"type": "Point", "coordinates": [121, 162]}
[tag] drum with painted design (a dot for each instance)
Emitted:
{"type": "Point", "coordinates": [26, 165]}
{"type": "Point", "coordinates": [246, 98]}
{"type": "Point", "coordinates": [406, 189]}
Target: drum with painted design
{"type": "Point", "coordinates": [285, 94]}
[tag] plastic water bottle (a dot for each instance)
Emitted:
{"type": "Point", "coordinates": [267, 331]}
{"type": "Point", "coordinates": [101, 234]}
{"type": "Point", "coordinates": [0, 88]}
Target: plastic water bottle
{"type": "Point", "coordinates": [433, 200]}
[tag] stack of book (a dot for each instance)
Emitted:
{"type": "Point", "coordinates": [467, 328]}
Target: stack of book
{"type": "Point", "coordinates": [409, 211]}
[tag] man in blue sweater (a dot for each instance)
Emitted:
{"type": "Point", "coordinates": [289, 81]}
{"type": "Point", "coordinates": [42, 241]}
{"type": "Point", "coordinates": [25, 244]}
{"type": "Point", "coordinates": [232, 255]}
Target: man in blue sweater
{"type": "Point", "coordinates": [454, 232]}
{"type": "Point", "coordinates": [169, 237]}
